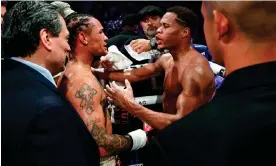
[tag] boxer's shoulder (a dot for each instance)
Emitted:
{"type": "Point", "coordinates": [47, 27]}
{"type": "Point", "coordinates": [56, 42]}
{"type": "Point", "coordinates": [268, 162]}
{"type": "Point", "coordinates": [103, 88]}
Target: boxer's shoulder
{"type": "Point", "coordinates": [196, 55]}
{"type": "Point", "coordinates": [76, 79]}
{"type": "Point", "coordinates": [165, 60]}
{"type": "Point", "coordinates": [197, 60]}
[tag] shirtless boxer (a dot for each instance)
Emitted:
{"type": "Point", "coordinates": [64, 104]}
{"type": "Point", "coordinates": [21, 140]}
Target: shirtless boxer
{"type": "Point", "coordinates": [189, 80]}
{"type": "Point", "coordinates": [83, 90]}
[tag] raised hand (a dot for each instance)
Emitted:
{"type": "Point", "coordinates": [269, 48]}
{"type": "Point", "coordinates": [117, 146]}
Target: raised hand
{"type": "Point", "coordinates": [140, 45]}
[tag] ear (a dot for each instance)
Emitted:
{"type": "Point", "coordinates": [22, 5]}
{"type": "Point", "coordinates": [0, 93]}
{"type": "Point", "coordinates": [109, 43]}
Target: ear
{"type": "Point", "coordinates": [185, 32]}
{"type": "Point", "coordinates": [222, 24]}
{"type": "Point", "coordinates": [83, 39]}
{"type": "Point", "coordinates": [46, 39]}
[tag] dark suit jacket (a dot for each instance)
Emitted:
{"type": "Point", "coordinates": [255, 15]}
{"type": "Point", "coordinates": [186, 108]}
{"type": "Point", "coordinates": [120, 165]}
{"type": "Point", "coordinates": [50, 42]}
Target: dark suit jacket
{"type": "Point", "coordinates": [238, 127]}
{"type": "Point", "coordinates": [39, 127]}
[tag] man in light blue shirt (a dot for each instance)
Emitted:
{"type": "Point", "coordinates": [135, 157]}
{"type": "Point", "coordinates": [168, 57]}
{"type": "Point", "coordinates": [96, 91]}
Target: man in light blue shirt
{"type": "Point", "coordinates": [38, 68]}
{"type": "Point", "coordinates": [39, 126]}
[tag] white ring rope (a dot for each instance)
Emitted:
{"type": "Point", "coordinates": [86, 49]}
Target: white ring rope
{"type": "Point", "coordinates": [149, 100]}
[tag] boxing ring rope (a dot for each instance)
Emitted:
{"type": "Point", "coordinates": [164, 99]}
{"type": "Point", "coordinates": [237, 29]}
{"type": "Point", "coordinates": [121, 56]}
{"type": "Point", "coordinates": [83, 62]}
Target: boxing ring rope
{"type": "Point", "coordinates": [149, 100]}
{"type": "Point", "coordinates": [157, 99]}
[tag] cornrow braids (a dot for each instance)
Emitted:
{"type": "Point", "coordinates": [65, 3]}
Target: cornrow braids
{"type": "Point", "coordinates": [77, 23]}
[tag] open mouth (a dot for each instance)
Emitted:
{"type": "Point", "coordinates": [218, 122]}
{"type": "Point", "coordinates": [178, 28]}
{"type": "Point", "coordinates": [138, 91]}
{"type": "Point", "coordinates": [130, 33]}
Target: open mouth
{"type": "Point", "coordinates": [158, 40]}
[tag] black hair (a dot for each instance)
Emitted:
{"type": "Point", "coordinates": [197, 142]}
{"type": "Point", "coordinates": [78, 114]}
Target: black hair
{"type": "Point", "coordinates": [150, 11]}
{"type": "Point", "coordinates": [187, 18]}
{"type": "Point", "coordinates": [22, 25]}
{"type": "Point", "coordinates": [75, 24]}
{"type": "Point", "coordinates": [4, 3]}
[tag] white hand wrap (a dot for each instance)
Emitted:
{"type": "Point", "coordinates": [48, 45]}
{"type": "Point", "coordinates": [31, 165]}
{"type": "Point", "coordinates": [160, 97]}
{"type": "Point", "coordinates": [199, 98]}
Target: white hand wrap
{"type": "Point", "coordinates": [139, 138]}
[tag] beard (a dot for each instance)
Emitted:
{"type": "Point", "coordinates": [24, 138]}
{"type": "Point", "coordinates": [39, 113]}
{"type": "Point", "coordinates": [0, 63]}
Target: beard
{"type": "Point", "coordinates": [151, 32]}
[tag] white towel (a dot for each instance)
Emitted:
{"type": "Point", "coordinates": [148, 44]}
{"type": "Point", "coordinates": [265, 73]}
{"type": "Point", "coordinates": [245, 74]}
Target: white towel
{"type": "Point", "coordinates": [120, 60]}
{"type": "Point", "coordinates": [135, 55]}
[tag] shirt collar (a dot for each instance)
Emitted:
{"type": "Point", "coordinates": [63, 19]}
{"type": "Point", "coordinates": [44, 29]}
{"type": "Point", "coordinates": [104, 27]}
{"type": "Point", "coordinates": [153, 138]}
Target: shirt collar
{"type": "Point", "coordinates": [251, 76]}
{"type": "Point", "coordinates": [38, 68]}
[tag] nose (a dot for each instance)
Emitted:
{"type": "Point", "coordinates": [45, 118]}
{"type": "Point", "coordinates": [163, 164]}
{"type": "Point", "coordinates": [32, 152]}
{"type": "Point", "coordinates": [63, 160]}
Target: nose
{"type": "Point", "coordinates": [159, 30]}
{"type": "Point", "coordinates": [105, 38]}
{"type": "Point", "coordinates": [150, 21]}
{"type": "Point", "coordinates": [68, 48]}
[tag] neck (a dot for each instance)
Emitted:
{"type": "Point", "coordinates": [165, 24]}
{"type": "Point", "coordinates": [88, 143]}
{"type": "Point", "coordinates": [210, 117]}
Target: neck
{"type": "Point", "coordinates": [83, 56]}
{"type": "Point", "coordinates": [240, 55]}
{"type": "Point", "coordinates": [180, 50]}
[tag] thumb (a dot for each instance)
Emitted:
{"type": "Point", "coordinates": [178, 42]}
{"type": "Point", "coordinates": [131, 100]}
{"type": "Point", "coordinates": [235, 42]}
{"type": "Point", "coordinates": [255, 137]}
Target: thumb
{"type": "Point", "coordinates": [127, 83]}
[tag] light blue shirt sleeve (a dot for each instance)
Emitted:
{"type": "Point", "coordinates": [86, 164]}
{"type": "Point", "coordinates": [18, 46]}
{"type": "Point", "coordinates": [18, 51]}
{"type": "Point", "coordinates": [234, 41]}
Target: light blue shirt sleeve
{"type": "Point", "coordinates": [38, 68]}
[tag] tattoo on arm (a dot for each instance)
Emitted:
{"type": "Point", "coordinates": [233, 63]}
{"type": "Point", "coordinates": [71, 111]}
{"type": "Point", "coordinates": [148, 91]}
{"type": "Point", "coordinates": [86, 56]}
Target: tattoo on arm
{"type": "Point", "coordinates": [111, 143]}
{"type": "Point", "coordinates": [86, 93]}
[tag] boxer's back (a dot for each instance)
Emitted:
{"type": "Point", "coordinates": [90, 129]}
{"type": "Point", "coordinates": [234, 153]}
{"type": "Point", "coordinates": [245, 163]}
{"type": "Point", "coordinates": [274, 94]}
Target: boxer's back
{"type": "Point", "coordinates": [84, 92]}
{"type": "Point", "coordinates": [178, 71]}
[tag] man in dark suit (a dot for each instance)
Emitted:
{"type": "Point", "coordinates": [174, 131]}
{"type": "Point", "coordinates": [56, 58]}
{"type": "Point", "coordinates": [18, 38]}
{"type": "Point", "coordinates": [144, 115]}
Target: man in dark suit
{"type": "Point", "coordinates": [238, 126]}
{"type": "Point", "coordinates": [39, 127]}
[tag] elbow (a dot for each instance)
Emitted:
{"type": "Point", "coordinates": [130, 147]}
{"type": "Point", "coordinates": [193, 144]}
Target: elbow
{"type": "Point", "coordinates": [167, 122]}
{"type": "Point", "coordinates": [163, 125]}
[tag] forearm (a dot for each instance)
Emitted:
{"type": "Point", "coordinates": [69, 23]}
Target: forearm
{"type": "Point", "coordinates": [110, 144]}
{"type": "Point", "coordinates": [120, 76]}
{"type": "Point", "coordinates": [156, 120]}
{"type": "Point", "coordinates": [113, 144]}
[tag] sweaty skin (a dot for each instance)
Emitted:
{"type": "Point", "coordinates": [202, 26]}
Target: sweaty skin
{"type": "Point", "coordinates": [189, 80]}
{"type": "Point", "coordinates": [86, 95]}
{"type": "Point", "coordinates": [188, 84]}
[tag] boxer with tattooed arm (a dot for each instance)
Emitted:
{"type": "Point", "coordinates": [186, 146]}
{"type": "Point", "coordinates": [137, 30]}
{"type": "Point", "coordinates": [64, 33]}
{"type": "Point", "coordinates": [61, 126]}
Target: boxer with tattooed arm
{"type": "Point", "coordinates": [85, 93]}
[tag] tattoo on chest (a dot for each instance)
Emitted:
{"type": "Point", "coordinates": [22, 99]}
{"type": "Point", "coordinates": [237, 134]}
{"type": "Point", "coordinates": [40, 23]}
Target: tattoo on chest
{"type": "Point", "coordinates": [86, 94]}
{"type": "Point", "coordinates": [111, 143]}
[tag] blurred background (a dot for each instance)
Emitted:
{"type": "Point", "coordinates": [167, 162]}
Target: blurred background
{"type": "Point", "coordinates": [111, 13]}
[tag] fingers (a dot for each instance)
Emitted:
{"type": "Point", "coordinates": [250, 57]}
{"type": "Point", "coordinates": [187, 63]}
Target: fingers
{"type": "Point", "coordinates": [108, 93]}
{"type": "Point", "coordinates": [127, 83]}
{"type": "Point", "coordinates": [133, 42]}
{"type": "Point", "coordinates": [114, 86]}
{"type": "Point", "coordinates": [136, 47]}
{"type": "Point", "coordinates": [106, 64]}
{"type": "Point", "coordinates": [110, 99]}
{"type": "Point", "coordinates": [139, 50]}
{"type": "Point", "coordinates": [109, 90]}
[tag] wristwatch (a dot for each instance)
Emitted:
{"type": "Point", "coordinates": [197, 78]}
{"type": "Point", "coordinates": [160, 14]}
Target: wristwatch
{"type": "Point", "coordinates": [153, 43]}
